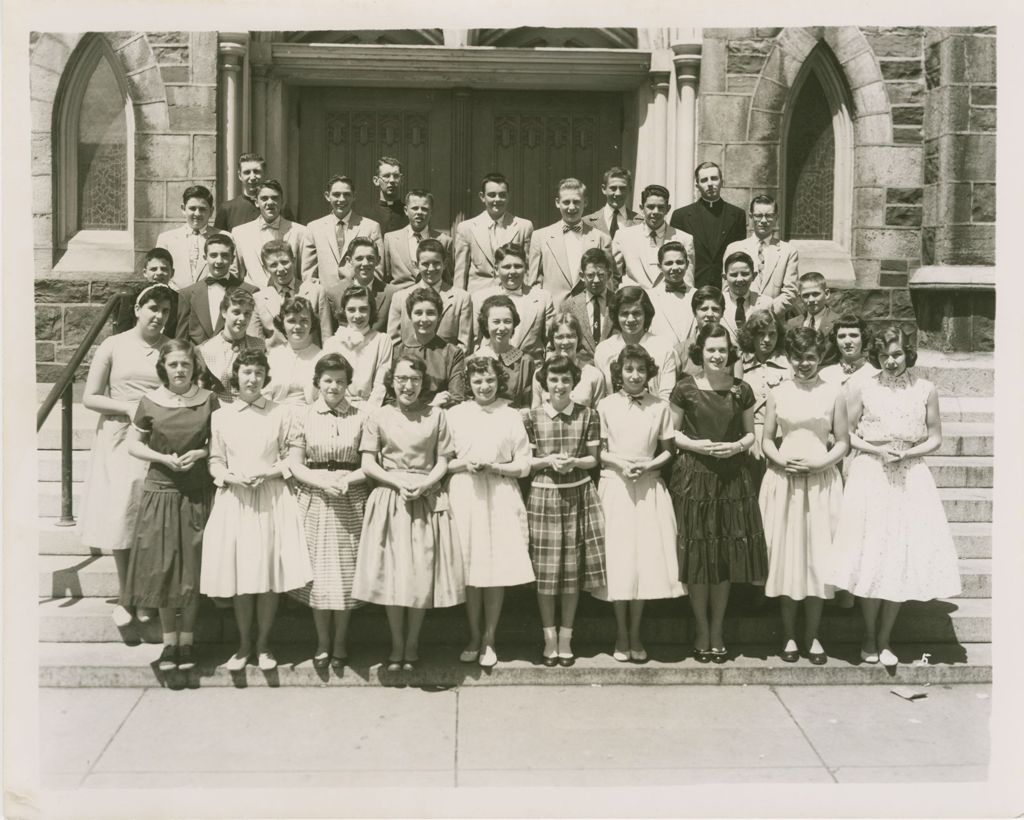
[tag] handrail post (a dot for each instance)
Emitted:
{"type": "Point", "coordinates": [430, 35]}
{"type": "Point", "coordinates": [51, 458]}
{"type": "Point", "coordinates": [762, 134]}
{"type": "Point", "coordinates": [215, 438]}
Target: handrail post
{"type": "Point", "coordinates": [67, 432]}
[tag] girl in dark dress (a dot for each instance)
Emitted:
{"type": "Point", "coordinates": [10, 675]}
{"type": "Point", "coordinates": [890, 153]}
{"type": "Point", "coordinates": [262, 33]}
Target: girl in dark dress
{"type": "Point", "coordinates": [171, 430]}
{"type": "Point", "coordinates": [498, 320]}
{"type": "Point", "coordinates": [721, 538]}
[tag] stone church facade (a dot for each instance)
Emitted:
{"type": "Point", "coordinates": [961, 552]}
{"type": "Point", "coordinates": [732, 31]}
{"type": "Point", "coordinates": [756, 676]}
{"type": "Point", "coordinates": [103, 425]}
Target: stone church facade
{"type": "Point", "coordinates": [879, 143]}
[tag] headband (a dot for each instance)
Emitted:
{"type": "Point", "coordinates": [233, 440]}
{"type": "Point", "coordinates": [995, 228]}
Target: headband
{"type": "Point", "coordinates": [140, 300]}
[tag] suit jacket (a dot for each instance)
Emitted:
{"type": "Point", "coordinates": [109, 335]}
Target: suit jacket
{"type": "Point", "coordinates": [382, 295]}
{"type": "Point", "coordinates": [710, 249]}
{"type": "Point", "coordinates": [399, 263]}
{"type": "Point", "coordinates": [535, 310]}
{"type": "Point", "coordinates": [597, 220]}
{"type": "Point", "coordinates": [778, 279]}
{"type": "Point", "coordinates": [194, 311]}
{"type": "Point", "coordinates": [250, 239]}
{"type": "Point", "coordinates": [455, 326]}
{"type": "Point", "coordinates": [238, 211]}
{"type": "Point", "coordinates": [268, 305]}
{"type": "Point", "coordinates": [474, 257]}
{"type": "Point", "coordinates": [176, 242]}
{"type": "Point", "coordinates": [823, 321]}
{"type": "Point", "coordinates": [390, 216]}
{"type": "Point", "coordinates": [673, 318]}
{"type": "Point", "coordinates": [754, 302]}
{"type": "Point", "coordinates": [577, 304]}
{"type": "Point", "coordinates": [549, 265]}
{"type": "Point", "coordinates": [637, 259]}
{"type": "Point", "coordinates": [320, 256]}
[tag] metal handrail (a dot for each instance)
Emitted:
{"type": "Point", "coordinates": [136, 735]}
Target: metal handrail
{"type": "Point", "coordinates": [63, 390]}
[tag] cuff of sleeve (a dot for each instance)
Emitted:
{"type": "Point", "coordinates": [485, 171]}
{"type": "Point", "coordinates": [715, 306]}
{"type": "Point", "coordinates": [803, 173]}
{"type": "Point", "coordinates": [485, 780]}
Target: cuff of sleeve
{"type": "Point", "coordinates": [286, 471]}
{"type": "Point", "coordinates": [218, 482]}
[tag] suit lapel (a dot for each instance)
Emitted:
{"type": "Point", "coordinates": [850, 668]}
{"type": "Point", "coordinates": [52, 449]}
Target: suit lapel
{"type": "Point", "coordinates": [478, 229]}
{"type": "Point", "coordinates": [557, 246]}
{"type": "Point", "coordinates": [201, 308]}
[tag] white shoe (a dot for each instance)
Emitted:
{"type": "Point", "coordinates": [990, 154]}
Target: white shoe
{"type": "Point", "coordinates": [488, 658]}
{"type": "Point", "coordinates": [621, 655]}
{"type": "Point", "coordinates": [468, 655]}
{"type": "Point", "coordinates": [236, 664]}
{"type": "Point", "coordinates": [267, 661]}
{"type": "Point", "coordinates": [143, 616]}
{"type": "Point", "coordinates": [887, 658]}
{"type": "Point", "coordinates": [869, 657]}
{"type": "Point", "coordinates": [121, 616]}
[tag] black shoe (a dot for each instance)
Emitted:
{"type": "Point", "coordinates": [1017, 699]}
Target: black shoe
{"type": "Point", "coordinates": [702, 655]}
{"type": "Point", "coordinates": [168, 659]}
{"type": "Point", "coordinates": [790, 656]}
{"type": "Point", "coordinates": [566, 661]}
{"type": "Point", "coordinates": [719, 655]}
{"type": "Point", "coordinates": [186, 657]}
{"type": "Point", "coordinates": [321, 661]}
{"type": "Point", "coordinates": [549, 662]}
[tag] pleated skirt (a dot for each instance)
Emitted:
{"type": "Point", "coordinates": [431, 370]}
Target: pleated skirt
{"type": "Point", "coordinates": [566, 538]}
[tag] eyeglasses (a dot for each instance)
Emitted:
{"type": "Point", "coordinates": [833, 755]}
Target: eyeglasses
{"type": "Point", "coordinates": [407, 379]}
{"type": "Point", "coordinates": [763, 218]}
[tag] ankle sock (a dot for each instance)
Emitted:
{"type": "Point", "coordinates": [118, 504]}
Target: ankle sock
{"type": "Point", "coordinates": [186, 638]}
{"type": "Point", "coordinates": [550, 641]}
{"type": "Point", "coordinates": [170, 639]}
{"type": "Point", "coordinates": [565, 641]}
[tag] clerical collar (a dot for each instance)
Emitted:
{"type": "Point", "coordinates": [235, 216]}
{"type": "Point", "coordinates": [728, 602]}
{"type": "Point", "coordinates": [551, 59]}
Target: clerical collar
{"type": "Point", "coordinates": [711, 205]}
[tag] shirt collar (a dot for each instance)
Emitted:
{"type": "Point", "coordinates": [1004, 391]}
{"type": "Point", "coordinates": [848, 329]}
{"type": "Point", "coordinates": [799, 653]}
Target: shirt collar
{"type": "Point", "coordinates": [639, 400]}
{"type": "Point", "coordinates": [551, 412]}
{"type": "Point", "coordinates": [711, 206]}
{"type": "Point", "coordinates": [240, 404]}
{"type": "Point", "coordinates": [346, 220]}
{"type": "Point", "coordinates": [320, 406]}
{"type": "Point", "coordinates": [271, 226]}
{"type": "Point", "coordinates": [623, 216]}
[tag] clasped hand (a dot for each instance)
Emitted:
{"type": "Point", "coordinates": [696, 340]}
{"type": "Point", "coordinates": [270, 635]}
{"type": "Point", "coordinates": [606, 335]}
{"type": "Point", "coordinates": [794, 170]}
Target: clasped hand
{"type": "Point", "coordinates": [184, 462]}
{"type": "Point", "coordinates": [413, 488]}
{"type": "Point", "coordinates": [716, 449]}
{"type": "Point", "coordinates": [474, 467]}
{"type": "Point", "coordinates": [561, 463]}
{"type": "Point", "coordinates": [635, 469]}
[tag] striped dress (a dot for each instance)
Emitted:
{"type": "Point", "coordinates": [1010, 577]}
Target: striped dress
{"type": "Point", "coordinates": [330, 439]}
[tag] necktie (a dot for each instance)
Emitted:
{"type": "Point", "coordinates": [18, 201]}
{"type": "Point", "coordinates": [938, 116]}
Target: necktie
{"type": "Point", "coordinates": [418, 237]}
{"type": "Point", "coordinates": [615, 224]}
{"type": "Point", "coordinates": [654, 239]}
{"type": "Point", "coordinates": [596, 302]}
{"type": "Point", "coordinates": [760, 256]}
{"type": "Point", "coordinates": [577, 228]}
{"type": "Point", "coordinates": [193, 251]}
{"type": "Point", "coordinates": [741, 312]}
{"type": "Point", "coordinates": [339, 233]}
{"type": "Point", "coordinates": [810, 322]}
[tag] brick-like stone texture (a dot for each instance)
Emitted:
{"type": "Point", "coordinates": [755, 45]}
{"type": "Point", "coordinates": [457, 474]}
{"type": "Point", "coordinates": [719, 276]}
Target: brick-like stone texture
{"type": "Point", "coordinates": [983, 202]}
{"type": "Point", "coordinates": [747, 56]}
{"type": "Point", "coordinates": [48, 322]}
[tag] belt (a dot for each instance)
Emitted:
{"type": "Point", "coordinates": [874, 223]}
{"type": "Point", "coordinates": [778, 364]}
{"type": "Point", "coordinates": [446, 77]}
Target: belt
{"type": "Point", "coordinates": [333, 465]}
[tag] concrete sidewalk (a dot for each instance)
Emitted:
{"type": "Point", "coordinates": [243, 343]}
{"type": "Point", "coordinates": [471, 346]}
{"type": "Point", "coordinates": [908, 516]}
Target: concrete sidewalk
{"type": "Point", "coordinates": [510, 736]}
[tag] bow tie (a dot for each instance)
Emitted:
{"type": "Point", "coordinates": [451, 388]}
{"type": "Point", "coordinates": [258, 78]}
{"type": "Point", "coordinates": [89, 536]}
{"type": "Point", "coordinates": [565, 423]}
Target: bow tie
{"type": "Point", "coordinates": [673, 288]}
{"type": "Point", "coordinates": [577, 228]}
{"type": "Point", "coordinates": [637, 400]}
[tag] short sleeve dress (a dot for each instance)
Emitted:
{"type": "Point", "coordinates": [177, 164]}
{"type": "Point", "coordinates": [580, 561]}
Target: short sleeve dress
{"type": "Point", "coordinates": [254, 540]}
{"type": "Point", "coordinates": [762, 377]}
{"type": "Point", "coordinates": [333, 526]}
{"type": "Point", "coordinates": [409, 554]}
{"type": "Point", "coordinates": [564, 512]}
{"type": "Point", "coordinates": [800, 512]}
{"type": "Point", "coordinates": [717, 518]}
{"type": "Point", "coordinates": [893, 540]}
{"type": "Point", "coordinates": [640, 524]}
{"type": "Point", "coordinates": [113, 487]}
{"type": "Point", "coordinates": [488, 509]}
{"type": "Point", "coordinates": [370, 356]}
{"type": "Point", "coordinates": [590, 389]}
{"type": "Point", "coordinates": [446, 368]}
{"type": "Point", "coordinates": [167, 549]}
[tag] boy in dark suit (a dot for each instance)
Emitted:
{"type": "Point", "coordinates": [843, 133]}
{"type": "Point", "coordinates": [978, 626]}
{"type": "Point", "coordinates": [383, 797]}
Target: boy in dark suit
{"type": "Point", "coordinates": [814, 295]}
{"type": "Point", "coordinates": [199, 314]}
{"type": "Point", "coordinates": [589, 301]}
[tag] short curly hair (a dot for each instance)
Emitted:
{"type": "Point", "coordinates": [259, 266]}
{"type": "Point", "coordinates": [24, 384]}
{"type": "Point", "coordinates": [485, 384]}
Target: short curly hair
{"type": "Point", "coordinates": [510, 249]}
{"type": "Point", "coordinates": [415, 362]}
{"type": "Point", "coordinates": [678, 247]}
{"type": "Point", "coordinates": [177, 346]}
{"type": "Point", "coordinates": [892, 335]}
{"type": "Point", "coordinates": [254, 358]}
{"type": "Point", "coordinates": [497, 301]}
{"type": "Point", "coordinates": [332, 361]}
{"type": "Point", "coordinates": [626, 297]}
{"type": "Point", "coordinates": [801, 339]}
{"type": "Point", "coordinates": [558, 365]}
{"type": "Point", "coordinates": [357, 292]}
{"type": "Point", "coordinates": [635, 353]}
{"type": "Point", "coordinates": [424, 295]}
{"type": "Point", "coordinates": [361, 242]}
{"type": "Point", "coordinates": [712, 331]}
{"type": "Point", "coordinates": [758, 324]}
{"type": "Point", "coordinates": [482, 363]}
{"type": "Point", "coordinates": [294, 305]}
{"type": "Point", "coordinates": [847, 321]}
{"type": "Point", "coordinates": [707, 293]}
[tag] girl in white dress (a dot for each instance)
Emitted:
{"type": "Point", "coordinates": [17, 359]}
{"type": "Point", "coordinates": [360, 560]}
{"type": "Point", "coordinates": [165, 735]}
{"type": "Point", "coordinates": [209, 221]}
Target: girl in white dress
{"type": "Point", "coordinates": [637, 435]}
{"type": "Point", "coordinates": [293, 362]}
{"type": "Point", "coordinates": [893, 542]}
{"type": "Point", "coordinates": [254, 546]}
{"type": "Point", "coordinates": [802, 491]}
{"type": "Point", "coordinates": [851, 338]}
{"type": "Point", "coordinates": [491, 452]}
{"type": "Point", "coordinates": [369, 351]}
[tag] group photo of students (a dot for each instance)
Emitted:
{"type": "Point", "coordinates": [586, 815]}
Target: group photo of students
{"type": "Point", "coordinates": [633, 404]}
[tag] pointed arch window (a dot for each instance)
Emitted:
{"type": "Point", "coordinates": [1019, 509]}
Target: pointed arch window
{"type": "Point", "coordinates": [94, 135]}
{"type": "Point", "coordinates": [817, 154]}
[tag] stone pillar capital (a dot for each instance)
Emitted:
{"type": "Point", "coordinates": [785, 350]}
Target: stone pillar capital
{"type": "Point", "coordinates": [686, 59]}
{"type": "Point", "coordinates": [659, 81]}
{"type": "Point", "coordinates": [233, 46]}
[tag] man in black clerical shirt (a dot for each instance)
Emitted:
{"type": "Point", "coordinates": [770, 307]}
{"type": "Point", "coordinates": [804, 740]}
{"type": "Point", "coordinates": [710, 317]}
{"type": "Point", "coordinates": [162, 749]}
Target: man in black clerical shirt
{"type": "Point", "coordinates": [712, 222]}
{"type": "Point", "coordinates": [388, 209]}
{"type": "Point", "coordinates": [252, 170]}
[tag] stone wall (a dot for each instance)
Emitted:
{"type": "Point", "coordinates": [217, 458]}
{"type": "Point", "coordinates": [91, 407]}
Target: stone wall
{"type": "Point", "coordinates": [172, 83]}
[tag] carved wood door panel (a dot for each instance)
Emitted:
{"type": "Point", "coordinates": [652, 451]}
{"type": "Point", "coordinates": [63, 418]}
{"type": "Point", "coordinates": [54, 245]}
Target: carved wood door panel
{"type": "Point", "coordinates": [345, 130]}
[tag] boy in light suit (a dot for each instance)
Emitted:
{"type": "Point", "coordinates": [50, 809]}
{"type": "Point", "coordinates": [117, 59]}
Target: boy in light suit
{"type": "Point", "coordinates": [187, 242]}
{"type": "Point", "coordinates": [400, 266]}
{"type": "Point", "coordinates": [616, 213]}
{"type": "Point", "coordinates": [455, 325]}
{"type": "Point", "coordinates": [328, 239]}
{"type": "Point", "coordinates": [635, 248]}
{"type": "Point", "coordinates": [270, 224]}
{"type": "Point", "coordinates": [776, 263]}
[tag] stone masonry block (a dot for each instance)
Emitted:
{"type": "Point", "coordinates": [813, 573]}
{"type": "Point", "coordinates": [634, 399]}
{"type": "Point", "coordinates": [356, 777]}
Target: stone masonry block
{"type": "Point", "coordinates": [171, 55]}
{"type": "Point", "coordinates": [965, 245]}
{"type": "Point", "coordinates": [933, 65]}
{"type": "Point", "coordinates": [147, 231]}
{"type": "Point", "coordinates": [50, 53]}
{"type": "Point", "coordinates": [866, 273]}
{"type": "Point", "coordinates": [741, 84]}
{"type": "Point", "coordinates": [797, 42]}
{"type": "Point", "coordinates": [162, 156]}
{"type": "Point", "coordinates": [907, 134]}
{"type": "Point", "coordinates": [894, 265]}
{"type": "Point", "coordinates": [952, 61]}
{"type": "Point", "coordinates": [42, 194]}
{"type": "Point", "coordinates": [752, 165]}
{"type": "Point", "coordinates": [848, 301]}
{"type": "Point", "coordinates": [204, 56]}
{"type": "Point", "coordinates": [906, 93]}
{"type": "Point", "coordinates": [47, 322]}
{"type": "Point", "coordinates": [872, 130]}
{"type": "Point", "coordinates": [45, 351]}
{"type": "Point", "coordinates": [174, 73]}
{"type": "Point", "coordinates": [151, 117]}
{"type": "Point", "coordinates": [947, 111]}
{"type": "Point", "coordinates": [167, 37]}
{"type": "Point", "coordinates": [875, 305]}
{"type": "Point", "coordinates": [765, 126]}
{"type": "Point", "coordinates": [907, 114]}
{"type": "Point", "coordinates": [724, 118]}
{"type": "Point", "coordinates": [146, 86]}
{"type": "Point", "coordinates": [981, 59]}
{"type": "Point", "coordinates": [773, 68]}
{"type": "Point", "coordinates": [983, 203]}
{"type": "Point", "coordinates": [954, 203]}
{"type": "Point", "coordinates": [983, 95]}
{"type": "Point", "coordinates": [149, 198]}
{"type": "Point", "coordinates": [902, 216]}
{"type": "Point", "coordinates": [968, 158]}
{"type": "Point", "coordinates": [871, 99]}
{"type": "Point", "coordinates": [892, 280]}
{"type": "Point", "coordinates": [42, 229]}
{"type": "Point", "coordinates": [861, 70]}
{"type": "Point", "coordinates": [928, 254]}
{"type": "Point", "coordinates": [43, 84]}
{"type": "Point", "coordinates": [901, 69]}
{"type": "Point", "coordinates": [42, 153]}
{"type": "Point", "coordinates": [712, 65]}
{"type": "Point", "coordinates": [100, 291]}
{"type": "Point", "coordinates": [895, 167]}
{"type": "Point", "coordinates": [983, 119]}
{"type": "Point", "coordinates": [846, 42]}
{"type": "Point", "coordinates": [868, 207]}
{"type": "Point", "coordinates": [895, 42]}
{"type": "Point", "coordinates": [931, 205]}
{"type": "Point", "coordinates": [192, 107]}
{"type": "Point", "coordinates": [204, 155]}
{"type": "Point", "coordinates": [77, 321]}
{"type": "Point", "coordinates": [932, 161]}
{"type": "Point", "coordinates": [770, 96]}
{"type": "Point", "coordinates": [60, 291]}
{"type": "Point", "coordinates": [747, 56]}
{"type": "Point", "coordinates": [42, 115]}
{"type": "Point", "coordinates": [904, 196]}
{"type": "Point", "coordinates": [902, 307]}
{"type": "Point", "coordinates": [136, 54]}
{"type": "Point", "coordinates": [887, 243]}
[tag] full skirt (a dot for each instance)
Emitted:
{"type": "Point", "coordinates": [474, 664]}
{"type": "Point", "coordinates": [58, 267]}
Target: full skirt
{"type": "Point", "coordinates": [409, 554]}
{"type": "Point", "coordinates": [113, 489]}
{"type": "Point", "coordinates": [893, 541]}
{"type": "Point", "coordinates": [566, 538]}
{"type": "Point", "coordinates": [491, 521]}
{"type": "Point", "coordinates": [640, 539]}
{"type": "Point", "coordinates": [800, 514]}
{"type": "Point", "coordinates": [254, 542]}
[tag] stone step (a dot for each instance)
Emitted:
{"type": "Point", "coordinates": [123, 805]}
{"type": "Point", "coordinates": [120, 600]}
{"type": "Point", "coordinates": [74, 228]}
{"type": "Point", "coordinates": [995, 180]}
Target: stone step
{"type": "Point", "coordinates": [116, 665]}
{"type": "Point", "coordinates": [973, 539]}
{"type": "Point", "coordinates": [967, 503]}
{"type": "Point", "coordinates": [50, 498]}
{"type": "Point", "coordinates": [958, 374]}
{"type": "Point", "coordinates": [967, 408]}
{"type": "Point", "coordinates": [967, 438]}
{"type": "Point", "coordinates": [961, 471]}
{"type": "Point", "coordinates": [960, 620]}
{"type": "Point", "coordinates": [83, 424]}
{"type": "Point", "coordinates": [50, 465]}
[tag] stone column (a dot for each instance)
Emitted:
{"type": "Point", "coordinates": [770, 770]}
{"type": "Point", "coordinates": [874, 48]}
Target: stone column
{"type": "Point", "coordinates": [659, 150]}
{"type": "Point", "coordinates": [233, 47]}
{"type": "Point", "coordinates": [686, 53]}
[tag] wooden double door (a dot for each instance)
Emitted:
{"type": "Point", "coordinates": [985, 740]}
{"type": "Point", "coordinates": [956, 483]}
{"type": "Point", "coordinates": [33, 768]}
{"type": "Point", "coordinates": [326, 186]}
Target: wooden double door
{"type": "Point", "coordinates": [449, 139]}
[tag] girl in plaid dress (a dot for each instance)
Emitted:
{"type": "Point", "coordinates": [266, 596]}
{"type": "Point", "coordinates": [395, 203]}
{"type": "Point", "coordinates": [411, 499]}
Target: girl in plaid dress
{"type": "Point", "coordinates": [564, 512]}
